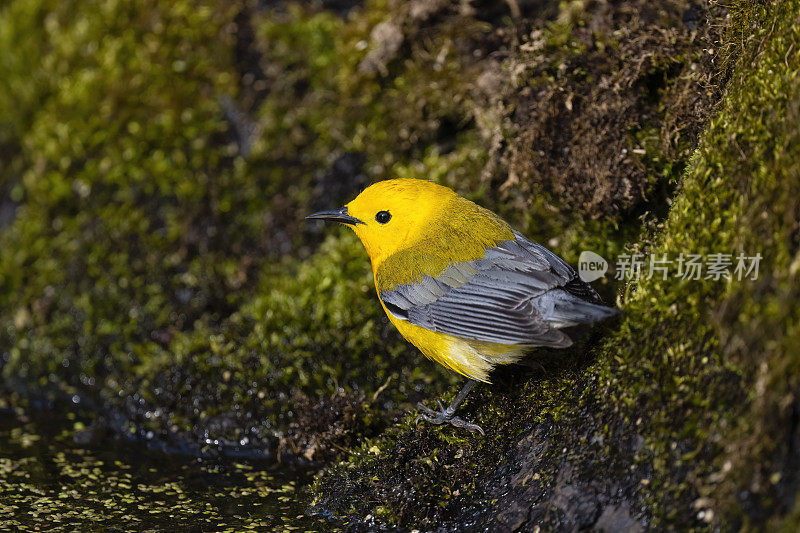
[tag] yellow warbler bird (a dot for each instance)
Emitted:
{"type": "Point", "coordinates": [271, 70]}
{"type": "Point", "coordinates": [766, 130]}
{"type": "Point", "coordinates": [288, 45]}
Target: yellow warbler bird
{"type": "Point", "coordinates": [460, 284]}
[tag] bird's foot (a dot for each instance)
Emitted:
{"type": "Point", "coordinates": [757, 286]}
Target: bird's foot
{"type": "Point", "coordinates": [443, 416]}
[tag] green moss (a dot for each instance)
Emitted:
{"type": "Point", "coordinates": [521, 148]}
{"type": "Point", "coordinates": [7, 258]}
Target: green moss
{"type": "Point", "coordinates": [416, 101]}
{"type": "Point", "coordinates": [737, 196]}
{"type": "Point", "coordinates": [313, 327]}
{"type": "Point", "coordinates": [161, 171]}
{"type": "Point", "coordinates": [120, 172]}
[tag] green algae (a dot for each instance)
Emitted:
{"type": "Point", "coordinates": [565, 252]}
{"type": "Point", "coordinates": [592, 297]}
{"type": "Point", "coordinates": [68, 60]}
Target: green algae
{"type": "Point", "coordinates": [48, 482]}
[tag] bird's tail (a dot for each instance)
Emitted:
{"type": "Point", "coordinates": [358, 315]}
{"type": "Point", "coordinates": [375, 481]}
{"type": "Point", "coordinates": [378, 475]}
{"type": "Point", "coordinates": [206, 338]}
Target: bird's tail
{"type": "Point", "coordinates": [562, 310]}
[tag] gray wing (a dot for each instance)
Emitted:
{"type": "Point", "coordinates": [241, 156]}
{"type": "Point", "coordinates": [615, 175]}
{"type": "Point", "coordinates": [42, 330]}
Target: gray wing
{"type": "Point", "coordinates": [519, 293]}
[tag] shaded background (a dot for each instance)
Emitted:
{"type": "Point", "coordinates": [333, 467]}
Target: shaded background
{"type": "Point", "coordinates": [159, 289]}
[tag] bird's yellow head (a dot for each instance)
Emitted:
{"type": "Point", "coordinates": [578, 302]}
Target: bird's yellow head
{"type": "Point", "coordinates": [391, 215]}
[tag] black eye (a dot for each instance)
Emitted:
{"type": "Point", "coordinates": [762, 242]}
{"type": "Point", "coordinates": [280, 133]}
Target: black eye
{"type": "Point", "coordinates": [382, 217]}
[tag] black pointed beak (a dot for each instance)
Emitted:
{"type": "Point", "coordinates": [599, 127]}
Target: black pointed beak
{"type": "Point", "coordinates": [335, 215]}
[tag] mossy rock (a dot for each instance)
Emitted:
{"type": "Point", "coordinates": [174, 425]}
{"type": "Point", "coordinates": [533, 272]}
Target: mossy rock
{"type": "Point", "coordinates": [682, 416]}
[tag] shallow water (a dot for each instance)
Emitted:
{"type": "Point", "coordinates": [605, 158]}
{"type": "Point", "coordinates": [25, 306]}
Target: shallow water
{"type": "Point", "coordinates": [47, 481]}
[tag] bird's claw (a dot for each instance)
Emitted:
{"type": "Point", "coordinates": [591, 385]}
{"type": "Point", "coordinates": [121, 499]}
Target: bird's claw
{"type": "Point", "coordinates": [444, 416]}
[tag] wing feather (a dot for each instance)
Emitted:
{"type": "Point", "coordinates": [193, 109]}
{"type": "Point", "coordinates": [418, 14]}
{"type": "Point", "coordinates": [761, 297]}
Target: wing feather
{"type": "Point", "coordinates": [518, 293]}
